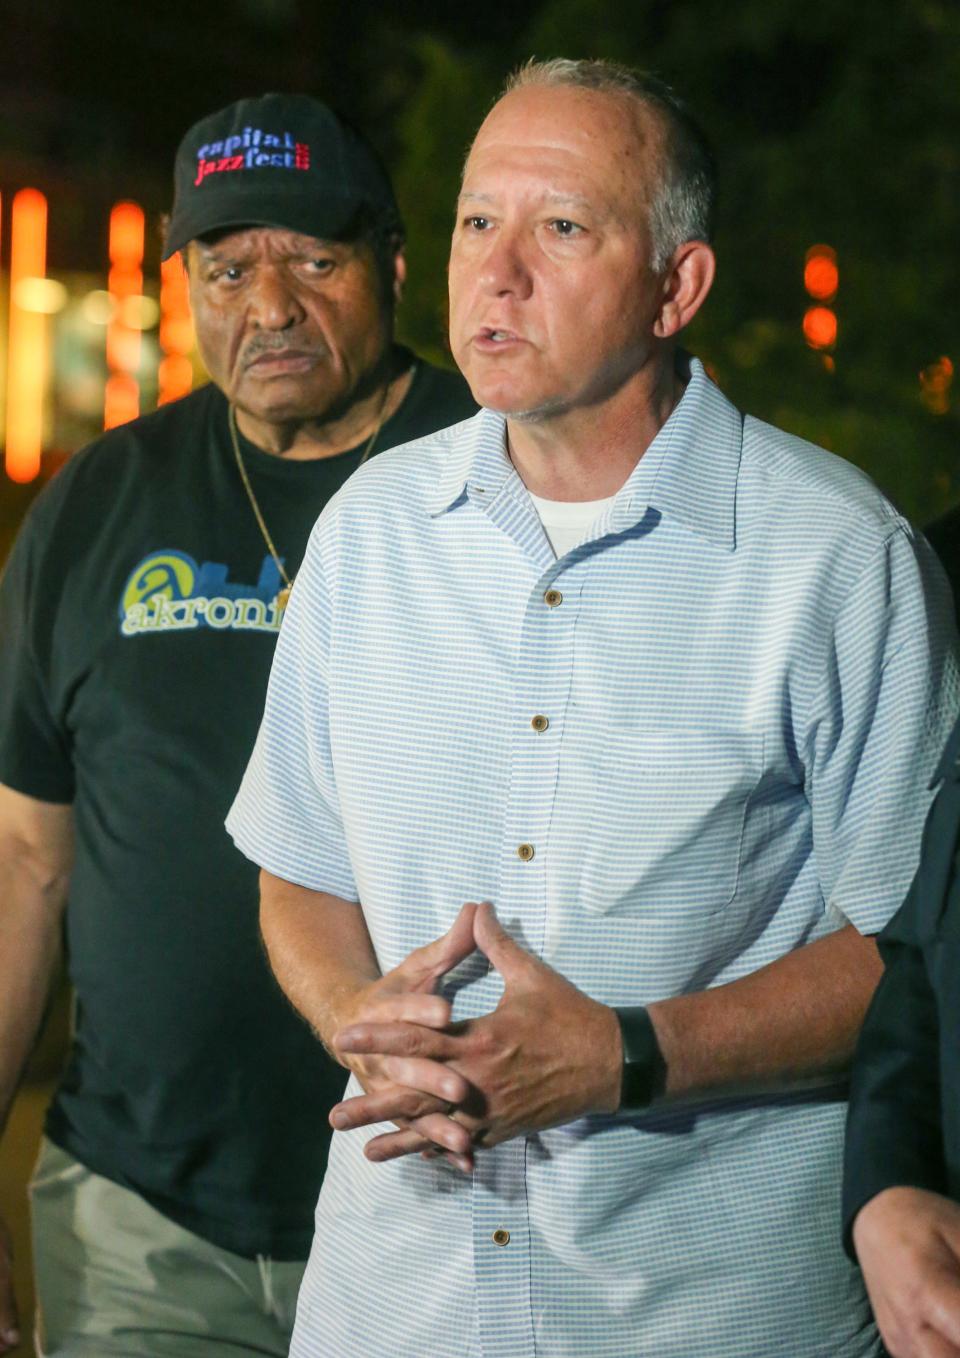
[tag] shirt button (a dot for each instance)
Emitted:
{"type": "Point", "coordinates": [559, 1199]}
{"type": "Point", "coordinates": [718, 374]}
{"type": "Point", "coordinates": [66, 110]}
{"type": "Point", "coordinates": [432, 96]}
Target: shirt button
{"type": "Point", "coordinates": [501, 1236]}
{"type": "Point", "coordinates": [540, 723]}
{"type": "Point", "coordinates": [552, 598]}
{"type": "Point", "coordinates": [525, 851]}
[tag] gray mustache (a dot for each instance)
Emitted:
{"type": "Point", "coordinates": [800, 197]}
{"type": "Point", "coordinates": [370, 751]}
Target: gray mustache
{"type": "Point", "coordinates": [257, 347]}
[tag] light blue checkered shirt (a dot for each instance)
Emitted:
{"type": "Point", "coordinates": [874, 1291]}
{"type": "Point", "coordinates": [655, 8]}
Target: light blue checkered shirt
{"type": "Point", "coordinates": [748, 674]}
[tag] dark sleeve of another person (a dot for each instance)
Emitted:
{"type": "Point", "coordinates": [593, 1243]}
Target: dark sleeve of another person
{"type": "Point", "coordinates": [944, 537]}
{"type": "Point", "coordinates": [895, 1133]}
{"type": "Point", "coordinates": [35, 755]}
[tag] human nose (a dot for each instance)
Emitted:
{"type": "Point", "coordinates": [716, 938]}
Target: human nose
{"type": "Point", "coordinates": [272, 303]}
{"type": "Point", "coordinates": [504, 269]}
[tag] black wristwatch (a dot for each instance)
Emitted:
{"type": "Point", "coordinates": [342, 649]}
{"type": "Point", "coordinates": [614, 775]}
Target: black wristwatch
{"type": "Point", "coordinates": [644, 1069]}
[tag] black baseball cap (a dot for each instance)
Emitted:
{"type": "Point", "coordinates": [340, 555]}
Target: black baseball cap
{"type": "Point", "coordinates": [282, 160]}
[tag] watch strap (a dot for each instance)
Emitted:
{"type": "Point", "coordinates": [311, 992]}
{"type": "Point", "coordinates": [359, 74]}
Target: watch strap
{"type": "Point", "coordinates": [644, 1069]}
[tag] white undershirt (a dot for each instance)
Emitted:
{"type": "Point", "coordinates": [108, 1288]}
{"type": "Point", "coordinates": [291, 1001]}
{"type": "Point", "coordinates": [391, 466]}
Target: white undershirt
{"type": "Point", "coordinates": [566, 522]}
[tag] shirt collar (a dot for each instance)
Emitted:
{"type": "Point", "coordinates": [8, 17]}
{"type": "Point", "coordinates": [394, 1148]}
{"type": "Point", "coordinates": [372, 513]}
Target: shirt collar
{"type": "Point", "coordinates": [478, 461]}
{"type": "Point", "coordinates": [688, 473]}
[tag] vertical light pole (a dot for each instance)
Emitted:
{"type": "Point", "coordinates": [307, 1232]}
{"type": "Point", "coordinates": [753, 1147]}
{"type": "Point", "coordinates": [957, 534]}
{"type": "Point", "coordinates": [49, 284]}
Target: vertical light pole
{"type": "Point", "coordinates": [121, 397]}
{"type": "Point", "coordinates": [821, 278]}
{"type": "Point", "coordinates": [175, 374]}
{"type": "Point", "coordinates": [27, 348]}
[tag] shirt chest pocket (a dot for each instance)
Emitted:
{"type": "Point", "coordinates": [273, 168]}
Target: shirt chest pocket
{"type": "Point", "coordinates": [664, 833]}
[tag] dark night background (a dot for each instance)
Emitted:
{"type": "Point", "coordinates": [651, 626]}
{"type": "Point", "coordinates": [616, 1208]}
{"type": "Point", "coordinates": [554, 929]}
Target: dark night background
{"type": "Point", "coordinates": [833, 123]}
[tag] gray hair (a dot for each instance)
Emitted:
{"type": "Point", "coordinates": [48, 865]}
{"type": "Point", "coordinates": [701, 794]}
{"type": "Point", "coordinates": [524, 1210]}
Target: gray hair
{"type": "Point", "coordinates": [683, 203]}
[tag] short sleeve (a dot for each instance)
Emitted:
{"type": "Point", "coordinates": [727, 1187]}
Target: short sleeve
{"type": "Point", "coordinates": [286, 816]}
{"type": "Point", "coordinates": [35, 752]}
{"type": "Point", "coordinates": [887, 699]}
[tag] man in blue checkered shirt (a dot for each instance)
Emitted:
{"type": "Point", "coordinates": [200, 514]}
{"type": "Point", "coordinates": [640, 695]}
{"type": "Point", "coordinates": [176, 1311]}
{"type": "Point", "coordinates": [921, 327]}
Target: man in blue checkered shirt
{"type": "Point", "coordinates": [663, 687]}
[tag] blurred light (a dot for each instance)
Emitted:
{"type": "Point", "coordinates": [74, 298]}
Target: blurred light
{"type": "Point", "coordinates": [935, 383]}
{"type": "Point", "coordinates": [124, 282]}
{"type": "Point", "coordinates": [45, 295]}
{"type": "Point", "coordinates": [829, 363]}
{"type": "Point", "coordinates": [98, 307]}
{"type": "Point", "coordinates": [175, 374]}
{"type": "Point", "coordinates": [821, 277]}
{"type": "Point", "coordinates": [121, 400]}
{"type": "Point", "coordinates": [27, 351]}
{"type": "Point", "coordinates": [124, 349]}
{"type": "Point", "coordinates": [820, 327]}
{"type": "Point", "coordinates": [139, 312]}
{"type": "Point", "coordinates": [126, 235]}
{"type": "Point", "coordinates": [176, 334]}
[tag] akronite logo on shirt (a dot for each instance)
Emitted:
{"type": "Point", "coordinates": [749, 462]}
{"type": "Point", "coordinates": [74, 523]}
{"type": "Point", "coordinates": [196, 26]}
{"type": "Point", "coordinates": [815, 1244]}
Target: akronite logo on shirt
{"type": "Point", "coordinates": [169, 592]}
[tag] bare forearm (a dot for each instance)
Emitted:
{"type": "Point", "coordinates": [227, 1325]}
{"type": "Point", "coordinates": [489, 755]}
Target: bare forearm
{"type": "Point", "coordinates": [321, 953]}
{"type": "Point", "coordinates": [795, 1019]}
{"type": "Point", "coordinates": [319, 949]}
{"type": "Point", "coordinates": [29, 947]}
{"type": "Point", "coordinates": [36, 857]}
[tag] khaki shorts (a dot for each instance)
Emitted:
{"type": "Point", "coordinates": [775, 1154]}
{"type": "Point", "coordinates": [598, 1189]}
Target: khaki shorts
{"type": "Point", "coordinates": [114, 1276]}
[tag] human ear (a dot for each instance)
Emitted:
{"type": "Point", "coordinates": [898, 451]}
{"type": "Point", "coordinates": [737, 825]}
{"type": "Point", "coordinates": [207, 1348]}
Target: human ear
{"type": "Point", "coordinates": [399, 274]}
{"type": "Point", "coordinates": [687, 280]}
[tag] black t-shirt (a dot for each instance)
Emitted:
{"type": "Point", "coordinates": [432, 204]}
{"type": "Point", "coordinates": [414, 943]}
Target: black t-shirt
{"type": "Point", "coordinates": [137, 627]}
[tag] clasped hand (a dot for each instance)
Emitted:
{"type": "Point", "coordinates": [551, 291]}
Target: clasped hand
{"type": "Point", "coordinates": [546, 1055]}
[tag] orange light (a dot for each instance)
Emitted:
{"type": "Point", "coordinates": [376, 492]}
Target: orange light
{"type": "Point", "coordinates": [124, 282]}
{"type": "Point", "coordinates": [820, 327]}
{"type": "Point", "coordinates": [123, 348]}
{"type": "Point", "coordinates": [175, 374]}
{"type": "Point", "coordinates": [821, 277]}
{"type": "Point", "coordinates": [175, 377]}
{"type": "Point", "coordinates": [3, 373]}
{"type": "Point", "coordinates": [27, 352]}
{"type": "Point", "coordinates": [935, 383]}
{"type": "Point", "coordinates": [126, 235]}
{"type": "Point", "coordinates": [176, 333]}
{"type": "Point", "coordinates": [173, 276]}
{"type": "Point", "coordinates": [121, 399]}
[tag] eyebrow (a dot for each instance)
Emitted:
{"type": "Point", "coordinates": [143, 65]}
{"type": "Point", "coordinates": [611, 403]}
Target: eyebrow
{"type": "Point", "coordinates": [218, 254]}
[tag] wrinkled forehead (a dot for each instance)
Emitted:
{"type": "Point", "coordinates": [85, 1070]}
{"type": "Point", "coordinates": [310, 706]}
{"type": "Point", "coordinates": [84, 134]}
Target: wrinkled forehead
{"type": "Point", "coordinates": [249, 241]}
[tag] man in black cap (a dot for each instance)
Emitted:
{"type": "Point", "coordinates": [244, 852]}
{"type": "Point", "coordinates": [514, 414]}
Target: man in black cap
{"type": "Point", "coordinates": [174, 1196]}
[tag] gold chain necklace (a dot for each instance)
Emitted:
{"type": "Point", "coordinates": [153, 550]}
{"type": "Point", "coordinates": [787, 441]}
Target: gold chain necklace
{"type": "Point", "coordinates": [283, 595]}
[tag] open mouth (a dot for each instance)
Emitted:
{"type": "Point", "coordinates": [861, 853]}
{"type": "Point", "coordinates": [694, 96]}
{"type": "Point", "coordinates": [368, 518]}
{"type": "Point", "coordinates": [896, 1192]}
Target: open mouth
{"type": "Point", "coordinates": [492, 338]}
